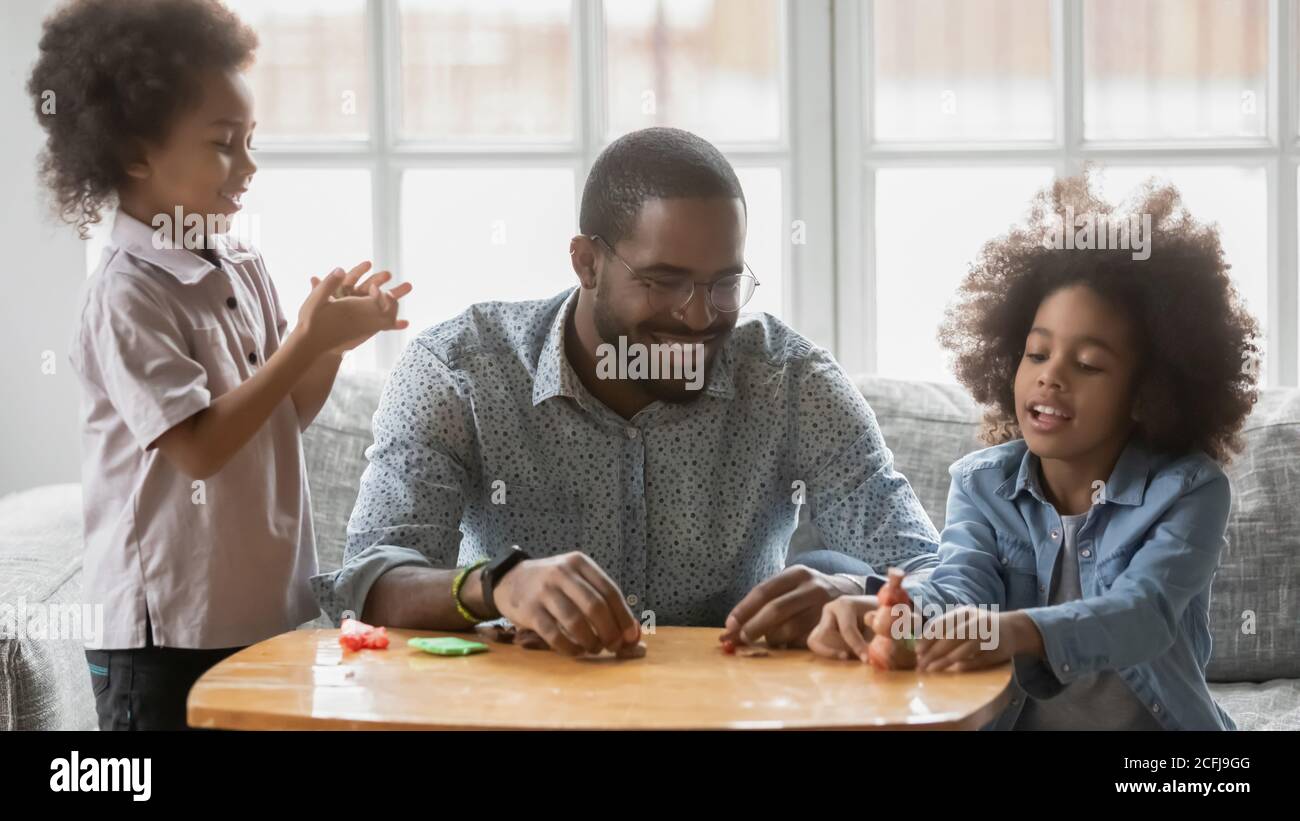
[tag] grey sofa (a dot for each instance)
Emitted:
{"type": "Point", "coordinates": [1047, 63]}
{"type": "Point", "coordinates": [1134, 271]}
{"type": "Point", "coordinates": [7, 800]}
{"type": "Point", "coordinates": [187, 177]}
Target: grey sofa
{"type": "Point", "coordinates": [1255, 669]}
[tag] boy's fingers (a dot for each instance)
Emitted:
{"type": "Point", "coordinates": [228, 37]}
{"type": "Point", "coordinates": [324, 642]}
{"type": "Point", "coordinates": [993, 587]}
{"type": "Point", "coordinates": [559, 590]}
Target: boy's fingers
{"type": "Point", "coordinates": [378, 278]}
{"type": "Point", "coordinates": [324, 288]}
{"type": "Point", "coordinates": [355, 274]}
{"type": "Point", "coordinates": [399, 291]}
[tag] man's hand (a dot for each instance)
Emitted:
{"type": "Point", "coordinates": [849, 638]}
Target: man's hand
{"type": "Point", "coordinates": [569, 601]}
{"type": "Point", "coordinates": [785, 608]}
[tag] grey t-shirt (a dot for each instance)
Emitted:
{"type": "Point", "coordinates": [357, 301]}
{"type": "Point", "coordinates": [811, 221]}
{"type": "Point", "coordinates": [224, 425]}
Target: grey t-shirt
{"type": "Point", "coordinates": [1097, 701]}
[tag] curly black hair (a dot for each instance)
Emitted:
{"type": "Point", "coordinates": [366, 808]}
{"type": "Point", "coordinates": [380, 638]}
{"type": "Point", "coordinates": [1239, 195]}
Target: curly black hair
{"type": "Point", "coordinates": [120, 71]}
{"type": "Point", "coordinates": [1198, 358]}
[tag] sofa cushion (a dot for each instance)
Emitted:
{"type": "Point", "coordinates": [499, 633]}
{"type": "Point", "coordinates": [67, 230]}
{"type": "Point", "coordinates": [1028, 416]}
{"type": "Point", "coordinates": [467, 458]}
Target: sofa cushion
{"type": "Point", "coordinates": [1272, 705]}
{"type": "Point", "coordinates": [44, 680]}
{"type": "Point", "coordinates": [1255, 602]}
{"type": "Point", "coordinates": [335, 447]}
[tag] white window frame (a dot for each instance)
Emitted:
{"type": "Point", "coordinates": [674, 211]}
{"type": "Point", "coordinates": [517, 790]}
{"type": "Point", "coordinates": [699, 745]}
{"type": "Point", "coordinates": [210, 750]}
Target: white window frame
{"type": "Point", "coordinates": [858, 158]}
{"type": "Point", "coordinates": [803, 153]}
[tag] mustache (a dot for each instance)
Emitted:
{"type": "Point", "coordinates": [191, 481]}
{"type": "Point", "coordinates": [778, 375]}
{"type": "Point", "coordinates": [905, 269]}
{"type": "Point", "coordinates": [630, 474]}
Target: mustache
{"type": "Point", "coordinates": [715, 332]}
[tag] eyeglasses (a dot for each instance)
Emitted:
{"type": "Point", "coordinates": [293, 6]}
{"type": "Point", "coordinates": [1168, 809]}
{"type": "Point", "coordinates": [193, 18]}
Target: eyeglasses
{"type": "Point", "coordinates": [673, 293]}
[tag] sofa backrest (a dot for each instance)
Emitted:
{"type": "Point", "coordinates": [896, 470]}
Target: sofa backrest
{"type": "Point", "coordinates": [1254, 608]}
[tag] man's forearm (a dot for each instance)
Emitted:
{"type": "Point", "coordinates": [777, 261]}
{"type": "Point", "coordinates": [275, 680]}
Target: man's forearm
{"type": "Point", "coordinates": [314, 388]}
{"type": "Point", "coordinates": [420, 597]}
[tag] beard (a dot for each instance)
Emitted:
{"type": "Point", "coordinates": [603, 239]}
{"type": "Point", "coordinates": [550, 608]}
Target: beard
{"type": "Point", "coordinates": [677, 391]}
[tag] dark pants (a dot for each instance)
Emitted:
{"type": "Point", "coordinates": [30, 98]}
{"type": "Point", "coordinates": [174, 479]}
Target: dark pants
{"type": "Point", "coordinates": [145, 688]}
{"type": "Point", "coordinates": [831, 562]}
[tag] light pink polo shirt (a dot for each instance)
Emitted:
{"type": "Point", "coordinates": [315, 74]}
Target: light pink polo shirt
{"type": "Point", "coordinates": [218, 564]}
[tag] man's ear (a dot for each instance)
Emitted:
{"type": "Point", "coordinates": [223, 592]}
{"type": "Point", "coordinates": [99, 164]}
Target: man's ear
{"type": "Point", "coordinates": [582, 254]}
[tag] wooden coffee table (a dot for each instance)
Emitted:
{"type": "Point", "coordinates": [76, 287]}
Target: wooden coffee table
{"type": "Point", "coordinates": [304, 680]}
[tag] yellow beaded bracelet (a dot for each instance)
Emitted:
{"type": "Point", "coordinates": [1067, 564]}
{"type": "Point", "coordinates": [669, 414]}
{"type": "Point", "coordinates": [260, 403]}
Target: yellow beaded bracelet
{"type": "Point", "coordinates": [458, 584]}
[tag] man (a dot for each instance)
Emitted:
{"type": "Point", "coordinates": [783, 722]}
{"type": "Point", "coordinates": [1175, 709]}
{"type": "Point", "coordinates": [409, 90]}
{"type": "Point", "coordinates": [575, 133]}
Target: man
{"type": "Point", "coordinates": [665, 494]}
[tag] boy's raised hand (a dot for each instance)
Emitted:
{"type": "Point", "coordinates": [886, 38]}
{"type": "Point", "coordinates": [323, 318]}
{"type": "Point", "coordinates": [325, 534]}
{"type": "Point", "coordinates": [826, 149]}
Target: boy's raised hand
{"type": "Point", "coordinates": [341, 312]}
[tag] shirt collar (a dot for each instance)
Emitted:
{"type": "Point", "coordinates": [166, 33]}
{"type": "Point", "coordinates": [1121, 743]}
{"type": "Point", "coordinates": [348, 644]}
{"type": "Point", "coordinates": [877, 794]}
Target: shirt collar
{"type": "Point", "coordinates": [137, 239]}
{"type": "Point", "coordinates": [556, 377]}
{"type": "Point", "coordinates": [1126, 485]}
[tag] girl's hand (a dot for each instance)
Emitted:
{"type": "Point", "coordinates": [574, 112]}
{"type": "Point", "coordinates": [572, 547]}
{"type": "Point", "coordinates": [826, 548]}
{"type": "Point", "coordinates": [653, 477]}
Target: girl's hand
{"type": "Point", "coordinates": [990, 638]}
{"type": "Point", "coordinates": [842, 632]}
{"type": "Point", "coordinates": [351, 303]}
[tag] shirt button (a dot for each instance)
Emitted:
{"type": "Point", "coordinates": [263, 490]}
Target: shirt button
{"type": "Point", "coordinates": [1042, 588]}
{"type": "Point", "coordinates": [1085, 553]}
{"type": "Point", "coordinates": [252, 357]}
{"type": "Point", "coordinates": [632, 600]}
{"type": "Point", "coordinates": [231, 303]}
{"type": "Point", "coordinates": [632, 433]}
{"type": "Point", "coordinates": [1065, 668]}
{"type": "Point", "coordinates": [1056, 534]}
{"type": "Point", "coordinates": [1005, 560]}
{"type": "Point", "coordinates": [1155, 708]}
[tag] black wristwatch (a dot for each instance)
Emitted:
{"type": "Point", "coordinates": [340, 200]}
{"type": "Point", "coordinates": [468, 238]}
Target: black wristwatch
{"type": "Point", "coordinates": [495, 570]}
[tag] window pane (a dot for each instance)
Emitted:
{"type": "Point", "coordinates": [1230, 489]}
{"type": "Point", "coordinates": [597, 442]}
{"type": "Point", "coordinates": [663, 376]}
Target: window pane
{"type": "Point", "coordinates": [1173, 69]}
{"type": "Point", "coordinates": [306, 222]}
{"type": "Point", "coordinates": [486, 69]}
{"type": "Point", "coordinates": [1235, 198]}
{"type": "Point", "coordinates": [709, 66]}
{"type": "Point", "coordinates": [930, 226]}
{"type": "Point", "coordinates": [765, 237]}
{"type": "Point", "coordinates": [949, 70]}
{"type": "Point", "coordinates": [478, 234]}
{"type": "Point", "coordinates": [310, 78]}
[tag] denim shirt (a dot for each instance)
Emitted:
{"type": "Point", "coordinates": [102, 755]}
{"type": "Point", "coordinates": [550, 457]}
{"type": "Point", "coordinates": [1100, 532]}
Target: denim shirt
{"type": "Point", "coordinates": [1147, 551]}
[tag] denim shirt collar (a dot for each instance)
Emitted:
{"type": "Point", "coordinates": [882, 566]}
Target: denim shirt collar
{"type": "Point", "coordinates": [556, 377]}
{"type": "Point", "coordinates": [1126, 485]}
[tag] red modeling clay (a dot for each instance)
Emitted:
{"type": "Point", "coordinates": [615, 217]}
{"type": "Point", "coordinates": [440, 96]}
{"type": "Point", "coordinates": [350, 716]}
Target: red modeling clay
{"type": "Point", "coordinates": [355, 635]}
{"type": "Point", "coordinates": [885, 652]}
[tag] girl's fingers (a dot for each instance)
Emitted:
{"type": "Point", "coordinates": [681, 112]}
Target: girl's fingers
{"type": "Point", "coordinates": [825, 639]}
{"type": "Point", "coordinates": [850, 631]}
{"type": "Point", "coordinates": [401, 290]}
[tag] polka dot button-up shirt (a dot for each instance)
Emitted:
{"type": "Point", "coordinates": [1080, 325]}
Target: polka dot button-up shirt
{"type": "Point", "coordinates": [485, 438]}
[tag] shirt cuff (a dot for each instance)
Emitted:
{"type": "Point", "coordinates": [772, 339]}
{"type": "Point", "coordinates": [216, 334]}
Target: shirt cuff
{"type": "Point", "coordinates": [1059, 629]}
{"type": "Point", "coordinates": [345, 590]}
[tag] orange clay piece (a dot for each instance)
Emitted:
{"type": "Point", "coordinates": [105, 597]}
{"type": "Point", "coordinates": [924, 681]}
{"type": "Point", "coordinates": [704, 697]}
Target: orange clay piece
{"type": "Point", "coordinates": [885, 652]}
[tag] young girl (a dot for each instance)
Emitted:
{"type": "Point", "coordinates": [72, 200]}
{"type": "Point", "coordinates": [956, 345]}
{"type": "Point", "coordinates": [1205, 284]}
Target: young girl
{"type": "Point", "coordinates": [197, 516]}
{"type": "Point", "coordinates": [1116, 385]}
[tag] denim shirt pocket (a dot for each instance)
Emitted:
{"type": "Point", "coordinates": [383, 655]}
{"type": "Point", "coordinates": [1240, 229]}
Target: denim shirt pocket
{"type": "Point", "coordinates": [1114, 563]}
{"type": "Point", "coordinates": [1019, 571]}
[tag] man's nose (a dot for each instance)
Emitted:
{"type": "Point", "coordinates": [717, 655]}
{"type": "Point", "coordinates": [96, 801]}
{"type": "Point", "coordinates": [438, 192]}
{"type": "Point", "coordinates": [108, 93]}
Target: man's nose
{"type": "Point", "coordinates": [699, 312]}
